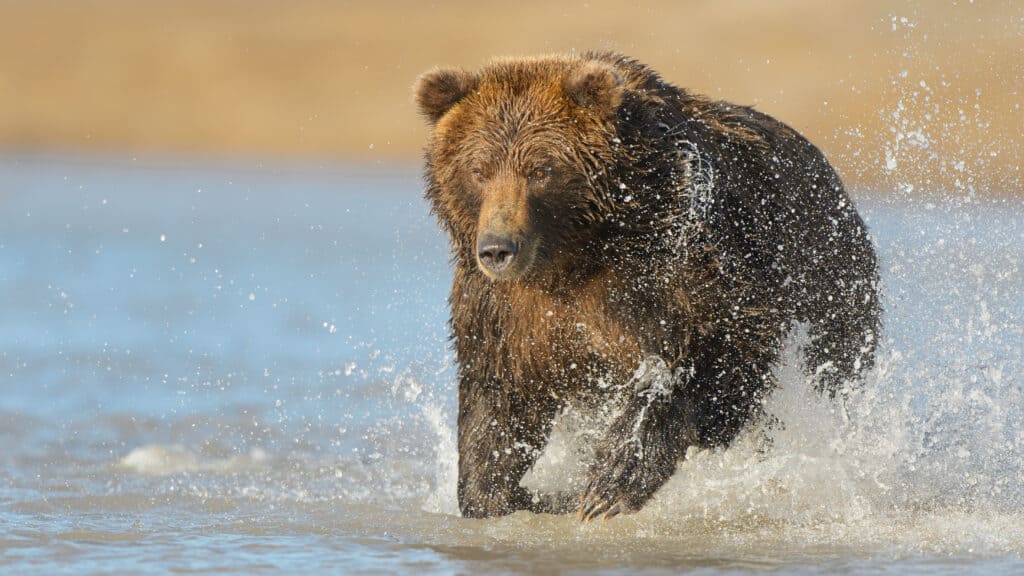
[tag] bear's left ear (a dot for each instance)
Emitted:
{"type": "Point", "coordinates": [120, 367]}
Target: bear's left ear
{"type": "Point", "coordinates": [595, 85]}
{"type": "Point", "coordinates": [440, 89]}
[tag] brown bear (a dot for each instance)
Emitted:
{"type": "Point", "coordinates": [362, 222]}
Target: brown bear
{"type": "Point", "coordinates": [620, 242]}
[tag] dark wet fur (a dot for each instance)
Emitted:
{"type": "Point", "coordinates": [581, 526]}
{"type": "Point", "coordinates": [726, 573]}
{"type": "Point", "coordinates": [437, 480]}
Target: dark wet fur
{"type": "Point", "coordinates": [635, 260]}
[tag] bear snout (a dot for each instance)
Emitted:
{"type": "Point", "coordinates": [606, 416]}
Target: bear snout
{"type": "Point", "coordinates": [496, 253]}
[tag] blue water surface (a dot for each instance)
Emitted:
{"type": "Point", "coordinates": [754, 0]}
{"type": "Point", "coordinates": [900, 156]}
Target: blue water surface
{"type": "Point", "coordinates": [283, 328]}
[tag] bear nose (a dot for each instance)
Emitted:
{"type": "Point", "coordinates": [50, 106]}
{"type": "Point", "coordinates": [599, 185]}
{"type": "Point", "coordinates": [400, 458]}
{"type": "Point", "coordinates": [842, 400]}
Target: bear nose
{"type": "Point", "coordinates": [496, 253]}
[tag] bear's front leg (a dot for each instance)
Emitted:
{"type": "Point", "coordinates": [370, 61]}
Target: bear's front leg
{"type": "Point", "coordinates": [500, 437]}
{"type": "Point", "coordinates": [640, 451]}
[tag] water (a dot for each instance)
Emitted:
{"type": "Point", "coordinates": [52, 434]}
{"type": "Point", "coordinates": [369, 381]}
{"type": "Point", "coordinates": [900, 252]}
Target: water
{"type": "Point", "coordinates": [241, 368]}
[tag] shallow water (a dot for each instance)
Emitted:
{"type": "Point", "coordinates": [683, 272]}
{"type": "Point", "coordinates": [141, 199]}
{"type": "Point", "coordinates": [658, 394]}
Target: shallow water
{"type": "Point", "coordinates": [240, 368]}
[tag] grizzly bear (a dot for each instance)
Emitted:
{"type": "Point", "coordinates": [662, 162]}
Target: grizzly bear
{"type": "Point", "coordinates": [621, 244]}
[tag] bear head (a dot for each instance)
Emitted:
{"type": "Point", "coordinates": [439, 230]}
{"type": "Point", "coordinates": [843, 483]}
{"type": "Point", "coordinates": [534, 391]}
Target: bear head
{"type": "Point", "coordinates": [516, 165]}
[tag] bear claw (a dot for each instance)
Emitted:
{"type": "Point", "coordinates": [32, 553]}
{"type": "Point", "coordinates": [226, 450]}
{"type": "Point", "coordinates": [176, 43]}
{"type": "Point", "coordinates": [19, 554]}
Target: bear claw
{"type": "Point", "coordinates": [593, 506]}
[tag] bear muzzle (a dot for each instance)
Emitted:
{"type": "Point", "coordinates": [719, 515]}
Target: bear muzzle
{"type": "Point", "coordinates": [496, 254]}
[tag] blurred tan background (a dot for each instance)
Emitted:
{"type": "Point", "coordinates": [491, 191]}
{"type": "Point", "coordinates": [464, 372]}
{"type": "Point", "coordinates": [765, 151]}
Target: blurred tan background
{"type": "Point", "coordinates": [918, 96]}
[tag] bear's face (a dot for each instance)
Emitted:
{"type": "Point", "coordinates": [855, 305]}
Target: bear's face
{"type": "Point", "coordinates": [516, 161]}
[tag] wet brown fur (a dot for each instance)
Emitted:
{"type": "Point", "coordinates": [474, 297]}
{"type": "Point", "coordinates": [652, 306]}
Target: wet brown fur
{"type": "Point", "coordinates": [595, 165]}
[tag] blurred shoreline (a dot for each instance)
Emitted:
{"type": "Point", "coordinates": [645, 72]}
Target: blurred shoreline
{"type": "Point", "coordinates": [902, 96]}
{"type": "Point", "coordinates": [403, 175]}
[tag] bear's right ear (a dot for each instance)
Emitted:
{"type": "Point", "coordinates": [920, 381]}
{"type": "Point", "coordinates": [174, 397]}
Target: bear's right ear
{"type": "Point", "coordinates": [438, 90]}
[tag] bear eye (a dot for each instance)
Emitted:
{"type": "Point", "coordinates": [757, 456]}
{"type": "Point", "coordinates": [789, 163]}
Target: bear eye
{"type": "Point", "coordinates": [539, 174]}
{"type": "Point", "coordinates": [478, 175]}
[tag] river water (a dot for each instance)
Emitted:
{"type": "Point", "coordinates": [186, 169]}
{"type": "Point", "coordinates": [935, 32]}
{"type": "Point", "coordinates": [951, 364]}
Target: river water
{"type": "Point", "coordinates": [242, 368]}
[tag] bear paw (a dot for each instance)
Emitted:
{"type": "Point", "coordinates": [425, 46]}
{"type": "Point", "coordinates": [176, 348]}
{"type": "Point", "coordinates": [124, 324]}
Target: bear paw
{"type": "Point", "coordinates": [616, 484]}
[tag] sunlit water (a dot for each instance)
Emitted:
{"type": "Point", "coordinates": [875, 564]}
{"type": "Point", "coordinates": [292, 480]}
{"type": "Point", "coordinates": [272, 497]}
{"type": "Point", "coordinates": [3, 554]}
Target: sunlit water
{"type": "Point", "coordinates": [241, 368]}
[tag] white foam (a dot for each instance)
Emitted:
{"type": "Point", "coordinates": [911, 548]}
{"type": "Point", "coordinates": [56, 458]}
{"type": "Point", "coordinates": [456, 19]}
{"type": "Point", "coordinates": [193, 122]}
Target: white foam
{"type": "Point", "coordinates": [443, 499]}
{"type": "Point", "coordinates": [164, 460]}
